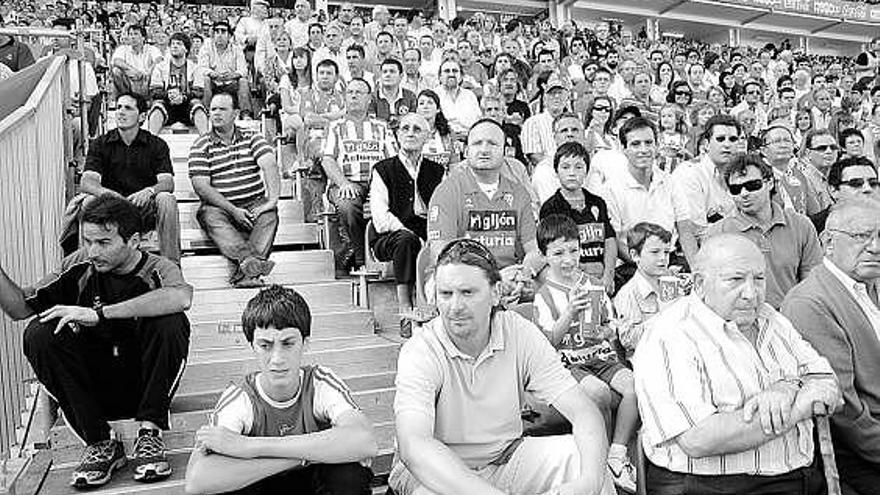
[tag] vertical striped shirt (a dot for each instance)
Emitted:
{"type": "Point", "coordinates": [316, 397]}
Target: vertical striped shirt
{"type": "Point", "coordinates": [357, 147]}
{"type": "Point", "coordinates": [232, 167]}
{"type": "Point", "coordinates": [537, 135]}
{"type": "Point", "coordinates": [692, 364]}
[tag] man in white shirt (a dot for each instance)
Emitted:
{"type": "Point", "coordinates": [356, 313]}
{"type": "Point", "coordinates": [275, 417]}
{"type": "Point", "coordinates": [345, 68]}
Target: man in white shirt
{"type": "Point", "coordinates": [332, 50]}
{"type": "Point", "coordinates": [701, 196]}
{"type": "Point", "coordinates": [537, 133]}
{"type": "Point", "coordinates": [223, 65]}
{"type": "Point", "coordinates": [298, 26]}
{"type": "Point", "coordinates": [567, 128]}
{"type": "Point", "coordinates": [459, 105]}
{"type": "Point", "coordinates": [643, 193]}
{"type": "Point", "coordinates": [727, 387]}
{"type": "Point", "coordinates": [132, 64]}
{"type": "Point", "coordinates": [249, 28]}
{"type": "Point", "coordinates": [381, 17]}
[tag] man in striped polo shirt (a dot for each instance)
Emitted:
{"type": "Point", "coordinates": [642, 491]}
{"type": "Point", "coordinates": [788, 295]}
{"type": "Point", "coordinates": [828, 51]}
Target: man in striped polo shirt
{"type": "Point", "coordinates": [726, 385]}
{"type": "Point", "coordinates": [354, 144]}
{"type": "Point", "coordinates": [239, 206]}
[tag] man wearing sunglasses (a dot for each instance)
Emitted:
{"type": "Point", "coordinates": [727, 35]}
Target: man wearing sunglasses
{"type": "Point", "coordinates": [836, 310]}
{"type": "Point", "coordinates": [701, 197]}
{"type": "Point", "coordinates": [794, 188]}
{"type": "Point", "coordinates": [849, 178]}
{"type": "Point", "coordinates": [225, 69]}
{"type": "Point", "coordinates": [786, 238]}
{"type": "Point", "coordinates": [817, 156]}
{"type": "Point", "coordinates": [753, 90]}
{"type": "Point", "coordinates": [459, 384]}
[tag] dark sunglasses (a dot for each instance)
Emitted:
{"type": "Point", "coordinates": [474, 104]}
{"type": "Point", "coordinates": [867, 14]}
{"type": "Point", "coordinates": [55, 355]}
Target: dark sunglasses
{"type": "Point", "coordinates": [682, 93]}
{"type": "Point", "coordinates": [601, 109]}
{"type": "Point", "coordinates": [822, 148]}
{"type": "Point", "coordinates": [859, 182]}
{"type": "Point", "coordinates": [750, 185]}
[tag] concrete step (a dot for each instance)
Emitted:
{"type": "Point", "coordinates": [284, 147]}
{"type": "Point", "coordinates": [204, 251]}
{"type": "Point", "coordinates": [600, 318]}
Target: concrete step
{"type": "Point", "coordinates": [318, 295]}
{"type": "Point", "coordinates": [287, 235]}
{"type": "Point", "coordinates": [224, 330]}
{"type": "Point", "coordinates": [215, 371]}
{"type": "Point", "coordinates": [122, 482]}
{"type": "Point", "coordinates": [212, 271]}
{"type": "Point", "coordinates": [377, 405]}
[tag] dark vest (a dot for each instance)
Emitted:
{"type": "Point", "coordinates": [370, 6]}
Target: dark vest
{"type": "Point", "coordinates": [298, 419]}
{"type": "Point", "coordinates": [401, 190]}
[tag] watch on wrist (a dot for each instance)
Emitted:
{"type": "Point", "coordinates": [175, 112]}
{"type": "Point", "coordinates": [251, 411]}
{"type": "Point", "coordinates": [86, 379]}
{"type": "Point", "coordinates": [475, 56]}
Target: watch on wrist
{"type": "Point", "coordinates": [99, 310]}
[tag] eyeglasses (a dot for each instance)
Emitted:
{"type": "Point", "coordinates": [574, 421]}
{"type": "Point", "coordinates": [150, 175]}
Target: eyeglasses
{"type": "Point", "coordinates": [729, 139]}
{"type": "Point", "coordinates": [863, 238]}
{"type": "Point", "coordinates": [822, 148]}
{"type": "Point", "coordinates": [221, 30]}
{"type": "Point", "coordinates": [750, 186]}
{"type": "Point", "coordinates": [859, 182]}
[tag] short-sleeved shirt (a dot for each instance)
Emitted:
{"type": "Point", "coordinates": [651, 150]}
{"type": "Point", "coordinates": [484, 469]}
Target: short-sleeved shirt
{"type": "Point", "coordinates": [700, 194]}
{"type": "Point", "coordinates": [692, 364]}
{"type": "Point", "coordinates": [357, 147]}
{"type": "Point", "coordinates": [128, 168]}
{"type": "Point", "coordinates": [316, 101]}
{"type": "Point", "coordinates": [630, 202]}
{"type": "Point", "coordinates": [78, 283]}
{"type": "Point", "coordinates": [790, 246]}
{"type": "Point", "coordinates": [142, 61]}
{"type": "Point", "coordinates": [474, 403]}
{"type": "Point", "coordinates": [331, 397]}
{"type": "Point", "coordinates": [594, 226]}
{"type": "Point", "coordinates": [504, 223]}
{"type": "Point", "coordinates": [390, 111]}
{"type": "Point", "coordinates": [537, 135]}
{"type": "Point", "coordinates": [232, 167]}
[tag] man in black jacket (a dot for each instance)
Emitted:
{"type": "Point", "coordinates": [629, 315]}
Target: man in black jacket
{"type": "Point", "coordinates": [400, 191]}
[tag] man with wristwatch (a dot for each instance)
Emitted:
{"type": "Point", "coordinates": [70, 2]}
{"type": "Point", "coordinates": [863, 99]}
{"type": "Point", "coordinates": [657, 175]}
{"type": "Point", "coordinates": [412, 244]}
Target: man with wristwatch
{"type": "Point", "coordinates": [130, 162]}
{"type": "Point", "coordinates": [109, 340]}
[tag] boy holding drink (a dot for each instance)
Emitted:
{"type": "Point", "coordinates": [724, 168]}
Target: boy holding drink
{"type": "Point", "coordinates": [574, 312]}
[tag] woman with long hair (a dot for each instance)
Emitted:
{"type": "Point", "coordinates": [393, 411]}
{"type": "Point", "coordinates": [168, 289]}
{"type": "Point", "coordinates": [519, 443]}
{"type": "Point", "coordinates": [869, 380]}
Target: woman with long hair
{"type": "Point", "coordinates": [803, 123]}
{"type": "Point", "coordinates": [699, 116]}
{"type": "Point", "coordinates": [663, 78]}
{"type": "Point", "coordinates": [439, 147]}
{"type": "Point", "coordinates": [301, 68]}
{"type": "Point", "coordinates": [598, 121]}
{"type": "Point", "coordinates": [672, 138]}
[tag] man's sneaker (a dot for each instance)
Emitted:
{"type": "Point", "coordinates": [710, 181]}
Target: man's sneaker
{"type": "Point", "coordinates": [623, 473]}
{"type": "Point", "coordinates": [150, 463]}
{"type": "Point", "coordinates": [98, 462]}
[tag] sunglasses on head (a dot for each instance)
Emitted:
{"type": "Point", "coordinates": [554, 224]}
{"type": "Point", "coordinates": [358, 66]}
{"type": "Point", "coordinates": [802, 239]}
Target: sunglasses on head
{"type": "Point", "coordinates": [750, 185]}
{"type": "Point", "coordinates": [859, 182]}
{"type": "Point", "coordinates": [464, 247]}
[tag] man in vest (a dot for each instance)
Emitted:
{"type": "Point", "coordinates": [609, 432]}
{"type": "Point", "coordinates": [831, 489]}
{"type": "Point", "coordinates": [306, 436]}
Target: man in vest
{"type": "Point", "coordinates": [400, 191]}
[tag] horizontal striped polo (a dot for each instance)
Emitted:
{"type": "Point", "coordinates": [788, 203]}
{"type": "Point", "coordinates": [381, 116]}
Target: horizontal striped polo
{"type": "Point", "coordinates": [232, 167]}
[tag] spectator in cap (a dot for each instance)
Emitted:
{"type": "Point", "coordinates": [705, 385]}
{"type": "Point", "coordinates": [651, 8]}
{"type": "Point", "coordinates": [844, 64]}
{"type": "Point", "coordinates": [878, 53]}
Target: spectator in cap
{"type": "Point", "coordinates": [224, 67]}
{"type": "Point", "coordinates": [537, 134]}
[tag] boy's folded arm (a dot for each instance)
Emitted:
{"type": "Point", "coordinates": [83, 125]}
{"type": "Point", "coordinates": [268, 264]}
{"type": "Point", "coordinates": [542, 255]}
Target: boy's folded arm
{"type": "Point", "coordinates": [351, 439]}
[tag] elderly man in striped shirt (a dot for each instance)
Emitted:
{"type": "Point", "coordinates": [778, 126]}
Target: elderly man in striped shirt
{"type": "Point", "coordinates": [234, 174]}
{"type": "Point", "coordinates": [726, 386]}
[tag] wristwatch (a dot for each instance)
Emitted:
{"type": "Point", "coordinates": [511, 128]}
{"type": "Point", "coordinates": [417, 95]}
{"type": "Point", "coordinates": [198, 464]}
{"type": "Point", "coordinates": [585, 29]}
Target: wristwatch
{"type": "Point", "coordinates": [99, 310]}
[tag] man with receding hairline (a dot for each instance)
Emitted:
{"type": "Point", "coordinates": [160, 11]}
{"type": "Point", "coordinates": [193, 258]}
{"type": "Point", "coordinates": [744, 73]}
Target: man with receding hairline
{"type": "Point", "coordinates": [726, 385]}
{"type": "Point", "coordinates": [836, 310]}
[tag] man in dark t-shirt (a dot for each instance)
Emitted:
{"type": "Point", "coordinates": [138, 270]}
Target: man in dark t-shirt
{"type": "Point", "coordinates": [132, 163]}
{"type": "Point", "coordinates": [589, 212]}
{"type": "Point", "coordinates": [109, 340]}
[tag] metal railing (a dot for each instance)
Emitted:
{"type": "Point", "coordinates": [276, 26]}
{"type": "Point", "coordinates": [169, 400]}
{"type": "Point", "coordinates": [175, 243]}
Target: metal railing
{"type": "Point", "coordinates": [32, 192]}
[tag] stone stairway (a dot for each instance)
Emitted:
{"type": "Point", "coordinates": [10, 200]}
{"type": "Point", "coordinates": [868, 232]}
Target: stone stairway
{"type": "Point", "coordinates": [345, 338]}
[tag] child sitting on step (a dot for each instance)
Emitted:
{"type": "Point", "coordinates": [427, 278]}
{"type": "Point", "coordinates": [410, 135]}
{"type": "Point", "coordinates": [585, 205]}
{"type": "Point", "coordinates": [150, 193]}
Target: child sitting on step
{"type": "Point", "coordinates": [286, 428]}
{"type": "Point", "coordinates": [574, 311]}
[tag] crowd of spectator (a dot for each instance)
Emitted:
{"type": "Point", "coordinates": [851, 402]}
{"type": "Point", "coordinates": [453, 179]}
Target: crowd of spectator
{"type": "Point", "coordinates": [694, 228]}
